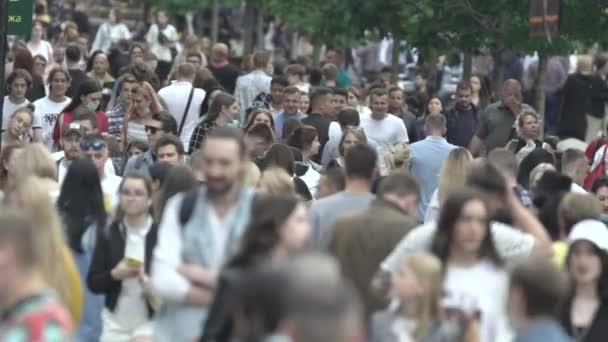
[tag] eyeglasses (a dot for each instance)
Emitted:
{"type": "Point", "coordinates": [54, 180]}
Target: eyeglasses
{"type": "Point", "coordinates": [96, 145]}
{"type": "Point", "coordinates": [151, 129]}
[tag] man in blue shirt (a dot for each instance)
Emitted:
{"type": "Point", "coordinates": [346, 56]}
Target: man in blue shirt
{"type": "Point", "coordinates": [427, 157]}
{"type": "Point", "coordinates": [291, 105]}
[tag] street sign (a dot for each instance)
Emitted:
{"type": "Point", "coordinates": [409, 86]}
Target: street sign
{"type": "Point", "coordinates": [20, 14]}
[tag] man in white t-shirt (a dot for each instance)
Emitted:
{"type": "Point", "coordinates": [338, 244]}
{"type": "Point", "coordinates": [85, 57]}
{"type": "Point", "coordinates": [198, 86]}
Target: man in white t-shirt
{"type": "Point", "coordinates": [48, 108]}
{"type": "Point", "coordinates": [382, 129]}
{"type": "Point", "coordinates": [575, 166]}
{"type": "Point", "coordinates": [18, 82]}
{"type": "Point", "coordinates": [176, 98]}
{"type": "Point", "coordinates": [95, 148]}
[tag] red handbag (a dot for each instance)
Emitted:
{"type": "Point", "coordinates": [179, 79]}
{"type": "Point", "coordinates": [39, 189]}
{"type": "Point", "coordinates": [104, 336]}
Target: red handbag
{"type": "Point", "coordinates": [599, 170]}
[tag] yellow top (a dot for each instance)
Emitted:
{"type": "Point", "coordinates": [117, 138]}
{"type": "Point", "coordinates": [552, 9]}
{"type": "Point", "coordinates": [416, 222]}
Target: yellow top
{"type": "Point", "coordinates": [560, 251]}
{"type": "Point", "coordinates": [75, 301]}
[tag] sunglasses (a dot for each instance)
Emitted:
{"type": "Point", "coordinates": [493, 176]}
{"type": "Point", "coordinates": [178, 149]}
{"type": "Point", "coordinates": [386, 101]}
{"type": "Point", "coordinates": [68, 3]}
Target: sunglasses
{"type": "Point", "coordinates": [96, 145]}
{"type": "Point", "coordinates": [151, 129]}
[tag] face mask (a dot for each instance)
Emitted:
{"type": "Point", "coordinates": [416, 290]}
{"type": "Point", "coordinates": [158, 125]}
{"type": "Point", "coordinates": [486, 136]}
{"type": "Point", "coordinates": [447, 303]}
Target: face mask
{"type": "Point", "coordinates": [93, 105]}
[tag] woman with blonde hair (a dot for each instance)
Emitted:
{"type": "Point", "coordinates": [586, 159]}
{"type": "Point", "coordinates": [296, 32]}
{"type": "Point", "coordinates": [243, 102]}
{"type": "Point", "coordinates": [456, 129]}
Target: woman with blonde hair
{"type": "Point", "coordinates": [418, 287]}
{"type": "Point", "coordinates": [276, 181]}
{"type": "Point", "coordinates": [396, 157]}
{"type": "Point", "coordinates": [452, 177]}
{"type": "Point", "coordinates": [37, 161]}
{"type": "Point", "coordinates": [8, 171]}
{"type": "Point", "coordinates": [59, 268]}
{"type": "Point", "coordinates": [528, 135]}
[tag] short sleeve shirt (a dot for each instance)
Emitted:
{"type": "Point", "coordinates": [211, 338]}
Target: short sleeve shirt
{"type": "Point", "coordinates": [511, 244]}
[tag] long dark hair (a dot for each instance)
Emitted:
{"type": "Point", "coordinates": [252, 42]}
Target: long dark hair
{"type": "Point", "coordinates": [80, 202]}
{"type": "Point", "coordinates": [178, 179]}
{"type": "Point", "coordinates": [262, 234]}
{"type": "Point", "coordinates": [86, 87]}
{"type": "Point", "coordinates": [602, 284]}
{"type": "Point", "coordinates": [450, 213]}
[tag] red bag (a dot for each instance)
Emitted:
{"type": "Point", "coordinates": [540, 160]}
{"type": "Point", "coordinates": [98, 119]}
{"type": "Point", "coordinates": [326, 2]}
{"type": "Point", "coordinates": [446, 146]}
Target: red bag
{"type": "Point", "coordinates": [599, 170]}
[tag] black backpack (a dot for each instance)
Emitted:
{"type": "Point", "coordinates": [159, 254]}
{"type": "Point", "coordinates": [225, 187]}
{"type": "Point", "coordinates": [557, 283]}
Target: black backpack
{"type": "Point", "coordinates": [187, 206]}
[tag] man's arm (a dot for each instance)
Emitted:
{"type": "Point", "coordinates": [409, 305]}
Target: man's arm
{"type": "Point", "coordinates": [527, 222]}
{"type": "Point", "coordinates": [475, 145]}
{"type": "Point", "coordinates": [167, 281]}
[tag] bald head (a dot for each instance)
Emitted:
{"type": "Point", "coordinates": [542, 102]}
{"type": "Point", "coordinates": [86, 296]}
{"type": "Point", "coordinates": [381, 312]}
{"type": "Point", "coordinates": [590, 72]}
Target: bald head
{"type": "Point", "coordinates": [511, 88]}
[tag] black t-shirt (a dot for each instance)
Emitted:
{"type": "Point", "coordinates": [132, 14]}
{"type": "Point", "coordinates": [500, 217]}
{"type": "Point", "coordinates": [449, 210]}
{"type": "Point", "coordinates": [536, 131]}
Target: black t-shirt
{"type": "Point", "coordinates": [226, 75]}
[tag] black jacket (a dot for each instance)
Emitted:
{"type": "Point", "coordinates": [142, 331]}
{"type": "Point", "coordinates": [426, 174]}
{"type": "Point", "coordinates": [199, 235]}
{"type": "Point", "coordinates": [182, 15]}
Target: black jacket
{"type": "Point", "coordinates": [599, 96]}
{"type": "Point", "coordinates": [109, 251]}
{"type": "Point", "coordinates": [597, 332]}
{"type": "Point", "coordinates": [321, 123]}
{"type": "Point", "coordinates": [576, 104]}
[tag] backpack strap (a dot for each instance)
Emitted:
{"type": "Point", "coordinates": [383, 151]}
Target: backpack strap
{"type": "Point", "coordinates": [187, 206]}
{"type": "Point", "coordinates": [181, 124]}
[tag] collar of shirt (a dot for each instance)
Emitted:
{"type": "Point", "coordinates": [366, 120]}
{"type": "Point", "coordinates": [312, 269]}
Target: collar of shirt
{"type": "Point", "coordinates": [140, 231]}
{"type": "Point", "coordinates": [436, 138]}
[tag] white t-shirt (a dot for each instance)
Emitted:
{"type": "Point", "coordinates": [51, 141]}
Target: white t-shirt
{"type": "Point", "coordinates": [110, 185]}
{"type": "Point", "coordinates": [384, 133]}
{"type": "Point", "coordinates": [220, 231]}
{"type": "Point", "coordinates": [62, 169]}
{"type": "Point", "coordinates": [44, 48]}
{"type": "Point", "coordinates": [577, 189]}
{"type": "Point", "coordinates": [9, 108]}
{"type": "Point", "coordinates": [432, 210]}
{"type": "Point", "coordinates": [511, 243]}
{"type": "Point", "coordinates": [131, 311]}
{"type": "Point", "coordinates": [45, 116]}
{"type": "Point", "coordinates": [175, 97]}
{"type": "Point", "coordinates": [480, 289]}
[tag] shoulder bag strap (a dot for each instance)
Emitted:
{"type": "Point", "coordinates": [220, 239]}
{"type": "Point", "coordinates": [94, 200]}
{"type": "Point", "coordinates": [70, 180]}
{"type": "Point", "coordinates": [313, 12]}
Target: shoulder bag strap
{"type": "Point", "coordinates": [181, 124]}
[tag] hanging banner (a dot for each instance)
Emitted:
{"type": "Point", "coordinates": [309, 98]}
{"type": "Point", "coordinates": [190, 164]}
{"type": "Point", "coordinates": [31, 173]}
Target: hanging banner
{"type": "Point", "coordinates": [544, 18]}
{"type": "Point", "coordinates": [20, 14]}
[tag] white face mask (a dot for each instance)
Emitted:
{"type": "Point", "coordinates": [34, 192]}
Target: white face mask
{"type": "Point", "coordinates": [93, 105]}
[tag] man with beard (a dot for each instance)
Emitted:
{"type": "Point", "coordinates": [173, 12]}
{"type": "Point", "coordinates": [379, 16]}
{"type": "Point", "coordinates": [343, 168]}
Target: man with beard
{"type": "Point", "coordinates": [198, 232]}
{"type": "Point", "coordinates": [70, 142]}
{"type": "Point", "coordinates": [462, 117]}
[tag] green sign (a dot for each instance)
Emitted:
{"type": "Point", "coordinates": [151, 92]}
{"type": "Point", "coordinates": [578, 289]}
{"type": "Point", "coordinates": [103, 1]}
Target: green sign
{"type": "Point", "coordinates": [20, 14]}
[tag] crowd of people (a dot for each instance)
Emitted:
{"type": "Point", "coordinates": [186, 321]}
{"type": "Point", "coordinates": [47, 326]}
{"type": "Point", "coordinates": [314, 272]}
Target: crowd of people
{"type": "Point", "coordinates": [152, 193]}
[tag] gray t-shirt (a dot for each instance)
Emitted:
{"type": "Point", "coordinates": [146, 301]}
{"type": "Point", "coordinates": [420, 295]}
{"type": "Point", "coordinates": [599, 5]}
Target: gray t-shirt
{"type": "Point", "coordinates": [324, 213]}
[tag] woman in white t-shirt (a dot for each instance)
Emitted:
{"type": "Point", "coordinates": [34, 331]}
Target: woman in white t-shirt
{"type": "Point", "coordinates": [110, 32]}
{"type": "Point", "coordinates": [38, 46]}
{"type": "Point", "coordinates": [121, 262]}
{"type": "Point", "coordinates": [475, 282]}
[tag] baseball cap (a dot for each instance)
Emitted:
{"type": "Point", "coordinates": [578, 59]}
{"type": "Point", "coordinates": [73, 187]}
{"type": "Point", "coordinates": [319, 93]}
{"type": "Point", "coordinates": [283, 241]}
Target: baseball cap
{"type": "Point", "coordinates": [593, 231]}
{"type": "Point", "coordinates": [73, 128]}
